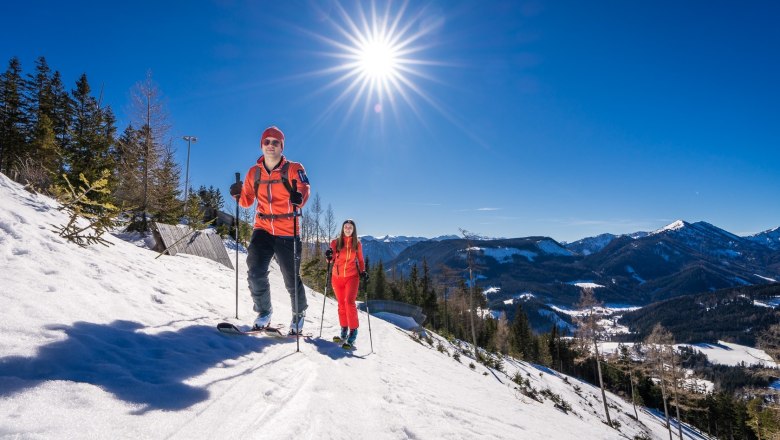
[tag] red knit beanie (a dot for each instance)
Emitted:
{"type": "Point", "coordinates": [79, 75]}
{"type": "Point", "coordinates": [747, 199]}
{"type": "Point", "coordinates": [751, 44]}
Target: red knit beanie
{"type": "Point", "coordinates": [274, 132]}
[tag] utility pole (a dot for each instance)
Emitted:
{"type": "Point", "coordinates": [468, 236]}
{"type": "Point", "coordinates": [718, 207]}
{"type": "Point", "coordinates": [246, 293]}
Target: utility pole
{"type": "Point", "coordinates": [189, 140]}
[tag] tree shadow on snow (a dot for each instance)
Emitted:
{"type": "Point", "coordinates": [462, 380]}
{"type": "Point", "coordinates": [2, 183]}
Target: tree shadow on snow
{"type": "Point", "coordinates": [140, 368]}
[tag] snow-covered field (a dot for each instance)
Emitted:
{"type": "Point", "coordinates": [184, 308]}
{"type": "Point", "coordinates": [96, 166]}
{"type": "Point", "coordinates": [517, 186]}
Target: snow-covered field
{"type": "Point", "coordinates": [723, 353]}
{"type": "Point", "coordinates": [109, 342]}
{"type": "Point", "coordinates": [609, 316]}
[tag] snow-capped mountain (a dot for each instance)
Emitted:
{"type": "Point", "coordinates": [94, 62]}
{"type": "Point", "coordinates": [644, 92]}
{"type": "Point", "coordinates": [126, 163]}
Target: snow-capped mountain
{"type": "Point", "coordinates": [389, 246]}
{"type": "Point", "coordinates": [769, 238]}
{"type": "Point", "coordinates": [590, 245]}
{"type": "Point", "coordinates": [679, 259]}
{"type": "Point", "coordinates": [386, 248]}
{"type": "Point", "coordinates": [111, 342]}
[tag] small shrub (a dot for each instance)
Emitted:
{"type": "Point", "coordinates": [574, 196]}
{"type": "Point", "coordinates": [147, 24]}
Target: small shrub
{"type": "Point", "coordinates": [79, 204]}
{"type": "Point", "coordinates": [472, 366]}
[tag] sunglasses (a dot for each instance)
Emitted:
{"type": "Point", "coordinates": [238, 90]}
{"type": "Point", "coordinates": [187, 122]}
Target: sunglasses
{"type": "Point", "coordinates": [274, 142]}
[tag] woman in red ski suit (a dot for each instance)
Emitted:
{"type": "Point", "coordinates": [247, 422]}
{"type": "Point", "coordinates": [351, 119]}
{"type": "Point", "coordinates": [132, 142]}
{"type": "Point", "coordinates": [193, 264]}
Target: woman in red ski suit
{"type": "Point", "coordinates": [346, 253]}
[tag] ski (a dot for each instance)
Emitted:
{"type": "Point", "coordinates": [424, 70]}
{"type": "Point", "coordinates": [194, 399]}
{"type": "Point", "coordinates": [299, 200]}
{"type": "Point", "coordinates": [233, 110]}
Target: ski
{"type": "Point", "coordinates": [274, 330]}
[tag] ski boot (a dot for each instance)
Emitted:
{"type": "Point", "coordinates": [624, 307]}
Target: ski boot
{"type": "Point", "coordinates": [342, 337]}
{"type": "Point", "coordinates": [350, 343]}
{"type": "Point", "coordinates": [261, 322]}
{"type": "Point", "coordinates": [296, 325]}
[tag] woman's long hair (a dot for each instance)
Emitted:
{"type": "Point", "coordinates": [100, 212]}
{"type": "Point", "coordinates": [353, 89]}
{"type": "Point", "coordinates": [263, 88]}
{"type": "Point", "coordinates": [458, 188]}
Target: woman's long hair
{"type": "Point", "coordinates": [342, 238]}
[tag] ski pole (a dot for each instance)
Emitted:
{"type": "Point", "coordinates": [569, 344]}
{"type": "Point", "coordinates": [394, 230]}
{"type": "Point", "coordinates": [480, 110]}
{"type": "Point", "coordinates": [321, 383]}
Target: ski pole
{"type": "Point", "coordinates": [370, 337]}
{"type": "Point", "coordinates": [295, 271]}
{"type": "Point", "coordinates": [238, 225]}
{"type": "Point", "coordinates": [325, 295]}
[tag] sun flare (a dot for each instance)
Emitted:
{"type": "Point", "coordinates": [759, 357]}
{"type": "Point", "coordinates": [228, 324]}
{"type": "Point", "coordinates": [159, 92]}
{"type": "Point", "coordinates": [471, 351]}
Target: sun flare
{"type": "Point", "coordinates": [379, 54]}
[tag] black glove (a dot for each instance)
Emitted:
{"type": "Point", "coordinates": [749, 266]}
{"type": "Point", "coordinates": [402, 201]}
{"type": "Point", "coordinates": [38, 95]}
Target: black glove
{"type": "Point", "coordinates": [235, 189]}
{"type": "Point", "coordinates": [329, 255]}
{"type": "Point", "coordinates": [364, 276]}
{"type": "Point", "coordinates": [296, 198]}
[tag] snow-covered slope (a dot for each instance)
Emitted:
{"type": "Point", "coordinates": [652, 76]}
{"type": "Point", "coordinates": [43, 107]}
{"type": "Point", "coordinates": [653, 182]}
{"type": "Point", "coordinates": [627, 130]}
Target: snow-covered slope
{"type": "Point", "coordinates": [109, 342]}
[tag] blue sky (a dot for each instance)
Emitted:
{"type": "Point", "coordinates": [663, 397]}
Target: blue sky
{"type": "Point", "coordinates": [564, 119]}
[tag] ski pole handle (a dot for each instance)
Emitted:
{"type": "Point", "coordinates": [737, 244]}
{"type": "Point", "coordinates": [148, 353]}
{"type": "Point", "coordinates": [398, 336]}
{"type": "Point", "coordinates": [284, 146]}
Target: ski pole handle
{"type": "Point", "coordinates": [238, 177]}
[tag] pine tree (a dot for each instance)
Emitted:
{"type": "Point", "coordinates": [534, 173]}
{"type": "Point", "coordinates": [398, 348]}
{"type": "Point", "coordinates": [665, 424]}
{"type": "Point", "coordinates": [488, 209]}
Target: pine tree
{"type": "Point", "coordinates": [62, 114]}
{"type": "Point", "coordinates": [129, 171]}
{"type": "Point", "coordinates": [193, 211]}
{"type": "Point", "coordinates": [166, 206]}
{"type": "Point", "coordinates": [89, 218]}
{"type": "Point", "coordinates": [212, 201]}
{"type": "Point", "coordinates": [91, 150]}
{"type": "Point", "coordinates": [412, 287]}
{"type": "Point", "coordinates": [43, 144]}
{"type": "Point", "coordinates": [378, 282]}
{"type": "Point", "coordinates": [554, 348]}
{"type": "Point", "coordinates": [13, 117]}
{"type": "Point", "coordinates": [429, 301]}
{"type": "Point", "coordinates": [521, 335]}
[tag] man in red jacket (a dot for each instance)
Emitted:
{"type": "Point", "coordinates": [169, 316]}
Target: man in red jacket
{"type": "Point", "coordinates": [280, 188]}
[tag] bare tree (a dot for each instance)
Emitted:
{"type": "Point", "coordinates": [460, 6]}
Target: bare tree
{"type": "Point", "coordinates": [673, 366]}
{"type": "Point", "coordinates": [625, 360]}
{"type": "Point", "coordinates": [330, 223]}
{"type": "Point", "coordinates": [658, 341]}
{"type": "Point", "coordinates": [470, 237]}
{"type": "Point", "coordinates": [501, 337]}
{"type": "Point", "coordinates": [589, 330]}
{"type": "Point", "coordinates": [148, 111]}
{"type": "Point", "coordinates": [306, 227]}
{"type": "Point", "coordinates": [316, 217]}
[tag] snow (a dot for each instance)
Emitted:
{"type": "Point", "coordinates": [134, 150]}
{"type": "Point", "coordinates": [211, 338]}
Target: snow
{"type": "Point", "coordinates": [557, 320]}
{"type": "Point", "coordinates": [674, 226]}
{"type": "Point", "coordinates": [552, 248]}
{"type": "Point", "coordinates": [727, 353]}
{"type": "Point", "coordinates": [771, 280]}
{"type": "Point", "coordinates": [491, 290]}
{"type": "Point", "coordinates": [109, 342]}
{"type": "Point", "coordinates": [723, 353]}
{"type": "Point", "coordinates": [771, 303]}
{"type": "Point", "coordinates": [635, 275]}
{"type": "Point", "coordinates": [585, 284]}
{"type": "Point", "coordinates": [504, 254]}
{"type": "Point", "coordinates": [404, 322]}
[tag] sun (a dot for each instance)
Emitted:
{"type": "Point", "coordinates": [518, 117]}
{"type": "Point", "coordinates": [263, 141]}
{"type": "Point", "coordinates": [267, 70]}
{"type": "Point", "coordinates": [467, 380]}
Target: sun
{"type": "Point", "coordinates": [378, 60]}
{"type": "Point", "coordinates": [379, 56]}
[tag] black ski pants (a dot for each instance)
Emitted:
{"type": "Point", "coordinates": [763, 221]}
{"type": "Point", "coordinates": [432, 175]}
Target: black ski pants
{"type": "Point", "coordinates": [262, 247]}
